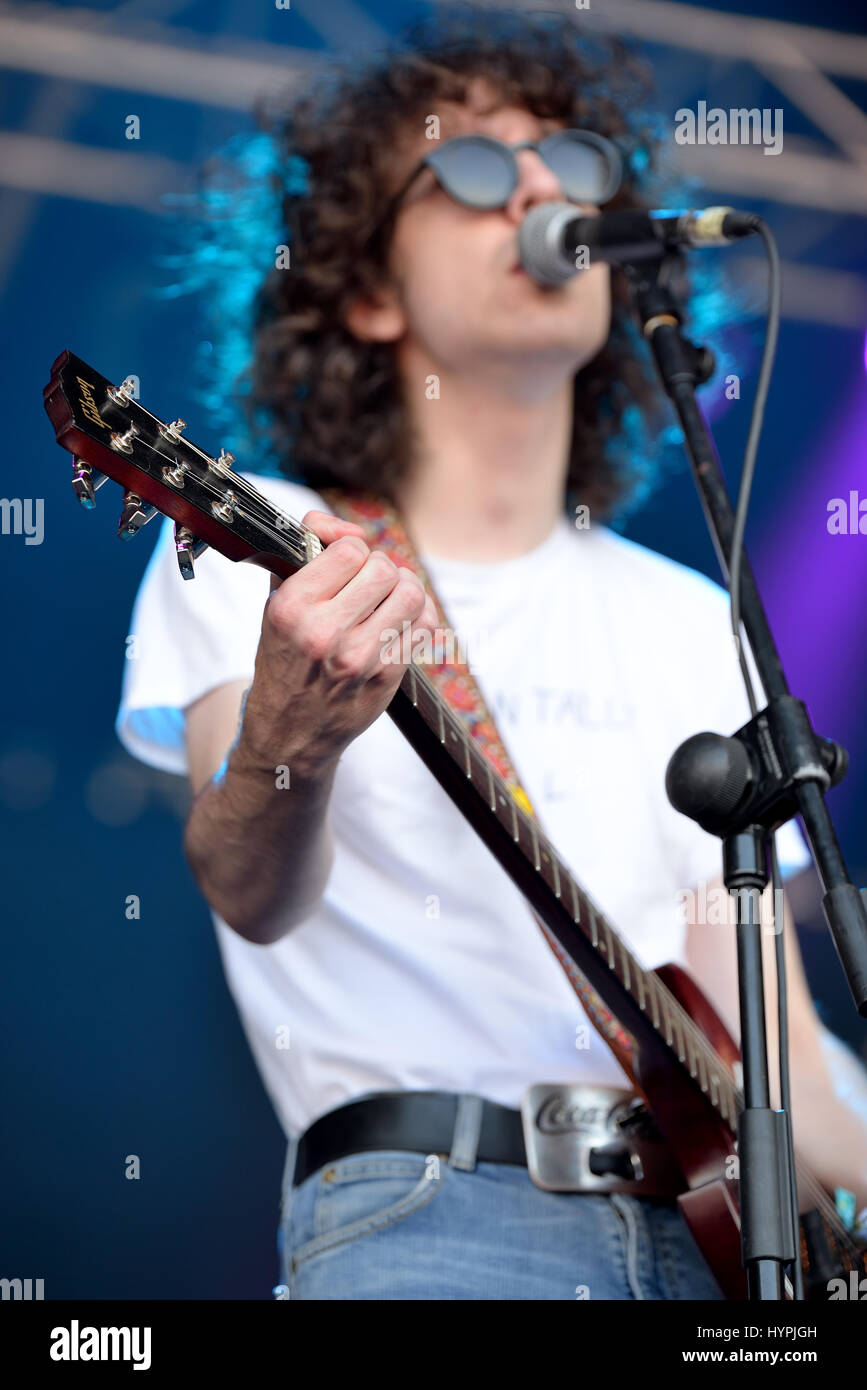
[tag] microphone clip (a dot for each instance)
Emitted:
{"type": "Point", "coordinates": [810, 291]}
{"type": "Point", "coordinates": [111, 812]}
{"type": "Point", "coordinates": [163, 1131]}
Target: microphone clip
{"type": "Point", "coordinates": [728, 784]}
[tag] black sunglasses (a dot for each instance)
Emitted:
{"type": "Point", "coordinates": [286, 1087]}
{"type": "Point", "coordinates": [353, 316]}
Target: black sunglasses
{"type": "Point", "coordinates": [482, 173]}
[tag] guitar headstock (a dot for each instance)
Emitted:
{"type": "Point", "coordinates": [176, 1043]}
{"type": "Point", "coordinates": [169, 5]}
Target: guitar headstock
{"type": "Point", "coordinates": [111, 435]}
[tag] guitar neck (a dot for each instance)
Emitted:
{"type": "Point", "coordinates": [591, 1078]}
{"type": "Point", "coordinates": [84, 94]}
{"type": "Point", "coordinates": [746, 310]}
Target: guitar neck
{"type": "Point", "coordinates": [599, 951]}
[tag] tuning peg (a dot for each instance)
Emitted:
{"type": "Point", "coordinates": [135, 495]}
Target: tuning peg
{"type": "Point", "coordinates": [173, 473]}
{"type": "Point", "coordinates": [122, 443]}
{"type": "Point", "coordinates": [225, 509]}
{"type": "Point", "coordinates": [173, 431]}
{"type": "Point", "coordinates": [123, 394]}
{"type": "Point", "coordinates": [188, 548]}
{"type": "Point", "coordinates": [225, 461]}
{"type": "Point", "coordinates": [134, 516]}
{"type": "Point", "coordinates": [85, 481]}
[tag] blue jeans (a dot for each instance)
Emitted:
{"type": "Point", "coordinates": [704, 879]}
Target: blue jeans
{"type": "Point", "coordinates": [397, 1225]}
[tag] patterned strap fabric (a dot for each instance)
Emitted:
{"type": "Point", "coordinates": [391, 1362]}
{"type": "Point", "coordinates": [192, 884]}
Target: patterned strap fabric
{"type": "Point", "coordinates": [457, 686]}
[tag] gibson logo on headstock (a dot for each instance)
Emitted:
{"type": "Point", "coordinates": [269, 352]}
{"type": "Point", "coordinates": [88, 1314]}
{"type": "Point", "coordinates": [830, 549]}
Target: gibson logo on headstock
{"type": "Point", "coordinates": [88, 404]}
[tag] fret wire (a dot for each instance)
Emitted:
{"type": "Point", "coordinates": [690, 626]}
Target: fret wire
{"type": "Point", "coordinates": [703, 1077]}
{"type": "Point", "coordinates": [609, 944]}
{"type": "Point", "coordinates": [702, 1068]}
{"type": "Point", "coordinates": [627, 978]}
{"type": "Point", "coordinates": [594, 933]}
{"type": "Point", "coordinates": [667, 1020]}
{"type": "Point", "coordinates": [477, 762]}
{"type": "Point", "coordinates": [467, 754]}
{"type": "Point", "coordinates": [690, 1056]}
{"type": "Point", "coordinates": [492, 789]}
{"type": "Point", "coordinates": [654, 1001]}
{"type": "Point", "coordinates": [413, 684]}
{"type": "Point", "coordinates": [672, 1018]}
{"type": "Point", "coordinates": [536, 855]}
{"type": "Point", "coordinates": [642, 991]}
{"type": "Point", "coordinates": [556, 875]}
{"type": "Point", "coordinates": [576, 907]}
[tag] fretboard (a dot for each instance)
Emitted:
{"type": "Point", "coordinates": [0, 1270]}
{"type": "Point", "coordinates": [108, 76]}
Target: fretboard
{"type": "Point", "coordinates": [663, 1013]}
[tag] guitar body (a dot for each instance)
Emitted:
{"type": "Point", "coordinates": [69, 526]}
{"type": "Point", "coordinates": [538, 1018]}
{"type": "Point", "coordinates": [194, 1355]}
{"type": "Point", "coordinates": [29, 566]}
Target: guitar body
{"type": "Point", "coordinates": [677, 1050]}
{"type": "Point", "coordinates": [704, 1147]}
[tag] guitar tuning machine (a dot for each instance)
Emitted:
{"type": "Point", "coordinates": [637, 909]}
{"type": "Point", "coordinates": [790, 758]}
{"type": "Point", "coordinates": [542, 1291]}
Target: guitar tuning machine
{"type": "Point", "coordinates": [123, 394]}
{"type": "Point", "coordinates": [134, 516]}
{"type": "Point", "coordinates": [122, 443]}
{"type": "Point", "coordinates": [225, 510]}
{"type": "Point", "coordinates": [224, 462]}
{"type": "Point", "coordinates": [188, 549]}
{"type": "Point", "coordinates": [172, 432]}
{"type": "Point", "coordinates": [85, 481]}
{"type": "Point", "coordinates": [173, 473]}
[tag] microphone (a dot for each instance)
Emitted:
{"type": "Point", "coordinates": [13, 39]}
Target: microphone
{"type": "Point", "coordinates": [551, 233]}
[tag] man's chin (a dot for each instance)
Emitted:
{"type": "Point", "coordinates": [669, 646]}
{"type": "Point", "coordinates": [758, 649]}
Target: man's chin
{"type": "Point", "coordinates": [555, 326]}
{"type": "Point", "coordinates": [539, 359]}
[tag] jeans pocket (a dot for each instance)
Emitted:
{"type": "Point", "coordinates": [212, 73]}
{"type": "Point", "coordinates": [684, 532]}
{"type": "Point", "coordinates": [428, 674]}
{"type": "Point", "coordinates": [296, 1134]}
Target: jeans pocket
{"type": "Point", "coordinates": [358, 1195]}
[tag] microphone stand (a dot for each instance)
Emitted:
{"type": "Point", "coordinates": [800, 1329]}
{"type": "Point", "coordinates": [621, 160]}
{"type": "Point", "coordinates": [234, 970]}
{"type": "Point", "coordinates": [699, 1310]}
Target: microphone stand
{"type": "Point", "coordinates": [785, 770]}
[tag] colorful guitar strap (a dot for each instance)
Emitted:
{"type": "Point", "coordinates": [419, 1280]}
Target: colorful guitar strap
{"type": "Point", "coordinates": [457, 687]}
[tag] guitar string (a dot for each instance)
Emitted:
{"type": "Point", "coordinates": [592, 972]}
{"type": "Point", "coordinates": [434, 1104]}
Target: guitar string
{"type": "Point", "coordinates": [241, 485]}
{"type": "Point", "coordinates": [261, 505]}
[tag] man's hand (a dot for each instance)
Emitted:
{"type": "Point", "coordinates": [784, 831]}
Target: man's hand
{"type": "Point", "coordinates": [258, 843]}
{"type": "Point", "coordinates": [324, 670]}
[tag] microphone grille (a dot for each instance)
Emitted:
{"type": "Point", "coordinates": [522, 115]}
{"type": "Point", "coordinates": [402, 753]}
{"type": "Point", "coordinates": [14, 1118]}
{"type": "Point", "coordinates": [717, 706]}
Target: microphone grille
{"type": "Point", "coordinates": [540, 245]}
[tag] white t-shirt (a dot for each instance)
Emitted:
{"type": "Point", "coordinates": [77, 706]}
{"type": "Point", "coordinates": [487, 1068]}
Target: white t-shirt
{"type": "Point", "coordinates": [423, 967]}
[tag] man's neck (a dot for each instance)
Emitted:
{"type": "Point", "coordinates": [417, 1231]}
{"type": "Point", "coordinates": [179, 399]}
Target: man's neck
{"type": "Point", "coordinates": [490, 461]}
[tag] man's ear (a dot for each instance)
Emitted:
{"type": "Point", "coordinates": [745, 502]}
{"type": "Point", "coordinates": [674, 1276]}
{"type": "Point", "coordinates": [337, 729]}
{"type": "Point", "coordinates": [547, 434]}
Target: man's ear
{"type": "Point", "coordinates": [377, 317]}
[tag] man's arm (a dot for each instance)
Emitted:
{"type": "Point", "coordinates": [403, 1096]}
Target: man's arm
{"type": "Point", "coordinates": [258, 837]}
{"type": "Point", "coordinates": [256, 845]}
{"type": "Point", "coordinates": [830, 1123]}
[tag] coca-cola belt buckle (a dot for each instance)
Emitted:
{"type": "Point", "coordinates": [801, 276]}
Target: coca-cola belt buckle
{"type": "Point", "coordinates": [596, 1139]}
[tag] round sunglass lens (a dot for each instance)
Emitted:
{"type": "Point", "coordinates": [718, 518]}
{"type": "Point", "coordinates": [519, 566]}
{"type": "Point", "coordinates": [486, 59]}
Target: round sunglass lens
{"type": "Point", "coordinates": [587, 173]}
{"type": "Point", "coordinates": [475, 172]}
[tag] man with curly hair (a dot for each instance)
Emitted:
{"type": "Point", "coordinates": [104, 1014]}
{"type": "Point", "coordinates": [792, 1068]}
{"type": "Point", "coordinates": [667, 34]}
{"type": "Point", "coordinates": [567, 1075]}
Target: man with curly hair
{"type": "Point", "coordinates": [397, 995]}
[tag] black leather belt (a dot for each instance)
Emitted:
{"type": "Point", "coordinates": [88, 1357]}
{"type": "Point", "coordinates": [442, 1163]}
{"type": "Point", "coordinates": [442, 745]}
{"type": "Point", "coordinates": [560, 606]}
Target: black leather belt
{"type": "Point", "coordinates": [570, 1138]}
{"type": "Point", "coordinates": [416, 1121]}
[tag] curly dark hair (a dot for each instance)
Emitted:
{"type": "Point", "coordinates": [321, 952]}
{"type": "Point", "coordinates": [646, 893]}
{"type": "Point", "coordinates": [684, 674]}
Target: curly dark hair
{"type": "Point", "coordinates": [330, 405]}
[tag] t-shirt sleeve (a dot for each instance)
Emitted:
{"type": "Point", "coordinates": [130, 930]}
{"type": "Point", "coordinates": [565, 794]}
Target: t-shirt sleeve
{"type": "Point", "coordinates": [188, 637]}
{"type": "Point", "coordinates": [730, 710]}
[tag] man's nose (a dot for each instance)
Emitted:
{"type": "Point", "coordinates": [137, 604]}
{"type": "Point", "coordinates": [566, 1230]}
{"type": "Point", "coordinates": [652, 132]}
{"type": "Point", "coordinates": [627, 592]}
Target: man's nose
{"type": "Point", "coordinates": [536, 184]}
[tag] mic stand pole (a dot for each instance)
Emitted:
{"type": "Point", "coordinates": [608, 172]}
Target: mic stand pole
{"type": "Point", "coordinates": [766, 1181]}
